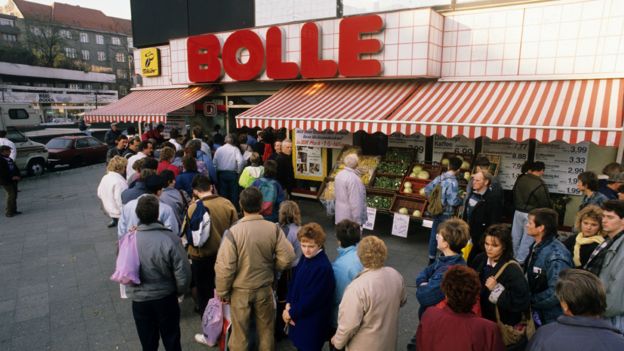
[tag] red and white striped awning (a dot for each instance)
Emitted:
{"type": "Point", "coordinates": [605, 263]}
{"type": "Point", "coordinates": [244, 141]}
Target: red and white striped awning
{"type": "Point", "coordinates": [350, 106]}
{"type": "Point", "coordinates": [147, 105]}
{"type": "Point", "coordinates": [569, 110]}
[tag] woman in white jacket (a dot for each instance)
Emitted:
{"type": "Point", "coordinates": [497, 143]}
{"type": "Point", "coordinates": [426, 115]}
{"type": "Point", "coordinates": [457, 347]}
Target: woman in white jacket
{"type": "Point", "coordinates": [111, 186]}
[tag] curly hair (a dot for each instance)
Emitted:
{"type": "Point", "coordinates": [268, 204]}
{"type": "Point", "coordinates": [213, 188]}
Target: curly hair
{"type": "Point", "coordinates": [592, 212]}
{"type": "Point", "coordinates": [461, 287]}
{"type": "Point", "coordinates": [167, 154]}
{"type": "Point", "coordinates": [372, 252]}
{"type": "Point", "coordinates": [312, 232]}
{"type": "Point", "coordinates": [289, 213]}
{"type": "Point", "coordinates": [117, 164]}
{"type": "Point", "coordinates": [455, 232]}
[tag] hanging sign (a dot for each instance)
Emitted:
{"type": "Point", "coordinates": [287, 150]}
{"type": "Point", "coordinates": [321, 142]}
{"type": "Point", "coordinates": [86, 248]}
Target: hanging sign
{"type": "Point", "coordinates": [458, 144]}
{"type": "Point", "coordinates": [371, 214]}
{"type": "Point", "coordinates": [564, 163]}
{"type": "Point", "coordinates": [400, 225]}
{"type": "Point", "coordinates": [416, 141]}
{"type": "Point", "coordinates": [150, 62]}
{"type": "Point", "coordinates": [323, 139]}
{"type": "Point", "coordinates": [513, 154]}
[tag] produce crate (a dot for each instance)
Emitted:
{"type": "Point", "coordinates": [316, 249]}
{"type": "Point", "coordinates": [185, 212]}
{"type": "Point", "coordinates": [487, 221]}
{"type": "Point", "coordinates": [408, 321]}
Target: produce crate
{"type": "Point", "coordinates": [401, 155]}
{"type": "Point", "coordinates": [466, 157]}
{"type": "Point", "coordinates": [495, 161]}
{"type": "Point", "coordinates": [433, 169]}
{"type": "Point", "coordinates": [390, 168]}
{"type": "Point", "coordinates": [388, 198]}
{"type": "Point", "coordinates": [366, 167]}
{"type": "Point", "coordinates": [374, 185]}
{"type": "Point", "coordinates": [411, 203]}
{"type": "Point", "coordinates": [417, 184]}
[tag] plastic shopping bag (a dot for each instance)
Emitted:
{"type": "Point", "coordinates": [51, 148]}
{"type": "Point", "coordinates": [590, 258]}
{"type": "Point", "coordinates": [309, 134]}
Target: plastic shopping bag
{"type": "Point", "coordinates": [227, 329]}
{"type": "Point", "coordinates": [212, 321]}
{"type": "Point", "coordinates": [128, 264]}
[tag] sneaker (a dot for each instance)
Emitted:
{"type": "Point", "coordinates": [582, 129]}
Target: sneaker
{"type": "Point", "coordinates": [202, 340]}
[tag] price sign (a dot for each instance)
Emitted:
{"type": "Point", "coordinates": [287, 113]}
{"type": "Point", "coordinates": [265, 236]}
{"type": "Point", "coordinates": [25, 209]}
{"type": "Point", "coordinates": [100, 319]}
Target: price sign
{"type": "Point", "coordinates": [371, 214]}
{"type": "Point", "coordinates": [400, 225]}
{"type": "Point", "coordinates": [564, 163]}
{"type": "Point", "coordinates": [416, 142]}
{"type": "Point", "coordinates": [513, 155]}
{"type": "Point", "coordinates": [458, 144]}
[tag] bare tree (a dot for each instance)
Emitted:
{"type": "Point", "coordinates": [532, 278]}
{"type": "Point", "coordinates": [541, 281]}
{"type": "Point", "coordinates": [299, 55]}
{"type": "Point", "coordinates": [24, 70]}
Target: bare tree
{"type": "Point", "coordinates": [46, 43]}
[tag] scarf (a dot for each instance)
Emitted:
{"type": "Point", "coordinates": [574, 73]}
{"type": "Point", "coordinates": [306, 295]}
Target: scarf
{"type": "Point", "coordinates": [581, 240]}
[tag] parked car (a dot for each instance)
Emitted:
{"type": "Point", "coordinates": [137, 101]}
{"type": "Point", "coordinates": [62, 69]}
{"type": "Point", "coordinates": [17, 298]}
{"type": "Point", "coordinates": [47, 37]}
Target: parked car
{"type": "Point", "coordinates": [31, 156]}
{"type": "Point", "coordinates": [75, 150]}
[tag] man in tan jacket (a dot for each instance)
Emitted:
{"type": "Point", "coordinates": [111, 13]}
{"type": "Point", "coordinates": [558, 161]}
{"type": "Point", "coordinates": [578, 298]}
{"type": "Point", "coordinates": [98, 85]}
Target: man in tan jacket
{"type": "Point", "coordinates": [252, 251]}
{"type": "Point", "coordinates": [222, 216]}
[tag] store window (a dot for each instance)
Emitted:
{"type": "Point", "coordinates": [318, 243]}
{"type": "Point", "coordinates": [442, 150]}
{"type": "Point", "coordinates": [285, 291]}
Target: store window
{"type": "Point", "coordinates": [120, 57]}
{"type": "Point", "coordinates": [18, 113]}
{"type": "Point", "coordinates": [74, 86]}
{"type": "Point", "coordinates": [7, 22]}
{"type": "Point", "coordinates": [84, 37]}
{"type": "Point", "coordinates": [101, 56]}
{"type": "Point", "coordinates": [86, 54]}
{"type": "Point", "coordinates": [99, 39]}
{"type": "Point", "coordinates": [115, 41]}
{"type": "Point", "coordinates": [9, 37]}
{"type": "Point", "coordinates": [65, 34]}
{"type": "Point", "coordinates": [70, 53]}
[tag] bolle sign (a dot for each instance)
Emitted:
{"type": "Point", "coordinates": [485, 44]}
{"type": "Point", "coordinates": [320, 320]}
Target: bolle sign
{"type": "Point", "coordinates": [150, 62]}
{"type": "Point", "coordinates": [208, 59]}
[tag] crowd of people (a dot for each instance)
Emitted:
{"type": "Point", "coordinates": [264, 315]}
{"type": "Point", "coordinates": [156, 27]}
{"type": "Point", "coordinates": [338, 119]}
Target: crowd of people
{"type": "Point", "coordinates": [225, 208]}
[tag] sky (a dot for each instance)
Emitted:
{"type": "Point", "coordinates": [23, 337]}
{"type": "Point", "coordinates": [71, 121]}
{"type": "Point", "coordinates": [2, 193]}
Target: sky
{"type": "Point", "coordinates": [115, 8]}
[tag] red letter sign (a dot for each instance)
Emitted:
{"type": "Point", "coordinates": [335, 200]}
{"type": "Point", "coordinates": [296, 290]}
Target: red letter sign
{"type": "Point", "coordinates": [276, 68]}
{"type": "Point", "coordinates": [231, 55]}
{"type": "Point", "coordinates": [204, 64]}
{"type": "Point", "coordinates": [311, 65]}
{"type": "Point", "coordinates": [352, 46]}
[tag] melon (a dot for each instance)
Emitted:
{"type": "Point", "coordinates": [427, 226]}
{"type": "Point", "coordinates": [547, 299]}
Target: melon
{"type": "Point", "coordinates": [403, 210]}
{"type": "Point", "coordinates": [417, 213]}
{"type": "Point", "coordinates": [423, 175]}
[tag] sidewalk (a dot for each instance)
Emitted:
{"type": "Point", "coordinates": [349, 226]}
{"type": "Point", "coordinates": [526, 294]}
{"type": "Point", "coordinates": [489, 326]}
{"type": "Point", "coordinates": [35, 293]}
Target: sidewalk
{"type": "Point", "coordinates": [56, 259]}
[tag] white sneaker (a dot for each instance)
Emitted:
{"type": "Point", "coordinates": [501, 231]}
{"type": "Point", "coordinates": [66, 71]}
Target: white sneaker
{"type": "Point", "coordinates": [202, 340]}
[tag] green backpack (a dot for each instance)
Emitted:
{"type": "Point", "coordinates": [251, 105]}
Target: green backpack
{"type": "Point", "coordinates": [435, 206]}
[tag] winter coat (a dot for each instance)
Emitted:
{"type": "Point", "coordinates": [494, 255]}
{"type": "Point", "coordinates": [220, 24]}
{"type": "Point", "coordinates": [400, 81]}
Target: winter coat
{"type": "Point", "coordinates": [285, 172]}
{"type": "Point", "coordinates": [109, 191]}
{"type": "Point", "coordinates": [597, 198]}
{"type": "Point", "coordinates": [511, 293]}
{"type": "Point", "coordinates": [222, 216]}
{"type": "Point", "coordinates": [577, 333]}
{"type": "Point", "coordinates": [612, 276]}
{"type": "Point", "coordinates": [486, 212]}
{"type": "Point", "coordinates": [346, 267]}
{"type": "Point", "coordinates": [291, 230]}
{"type": "Point", "coordinates": [129, 218]}
{"type": "Point", "coordinates": [249, 175]}
{"type": "Point", "coordinates": [544, 264]}
{"type": "Point", "coordinates": [449, 194]}
{"type": "Point", "coordinates": [441, 329]}
{"type": "Point", "coordinates": [166, 165]}
{"type": "Point", "coordinates": [350, 197]}
{"type": "Point", "coordinates": [368, 318]}
{"type": "Point", "coordinates": [585, 250]}
{"type": "Point", "coordinates": [430, 294]}
{"type": "Point", "coordinates": [530, 192]}
{"type": "Point", "coordinates": [184, 181]}
{"type": "Point", "coordinates": [310, 297]}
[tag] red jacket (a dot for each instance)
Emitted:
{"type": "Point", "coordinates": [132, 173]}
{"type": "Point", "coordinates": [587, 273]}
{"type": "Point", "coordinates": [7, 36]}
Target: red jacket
{"type": "Point", "coordinates": [442, 329]}
{"type": "Point", "coordinates": [162, 165]}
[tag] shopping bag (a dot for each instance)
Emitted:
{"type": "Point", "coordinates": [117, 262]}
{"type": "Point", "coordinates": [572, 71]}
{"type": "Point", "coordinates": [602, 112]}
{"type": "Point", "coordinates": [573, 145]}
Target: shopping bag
{"type": "Point", "coordinates": [227, 329]}
{"type": "Point", "coordinates": [212, 320]}
{"type": "Point", "coordinates": [127, 265]}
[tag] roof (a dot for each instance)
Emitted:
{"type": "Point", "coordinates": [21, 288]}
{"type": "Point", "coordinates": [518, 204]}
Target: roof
{"type": "Point", "coordinates": [74, 16]}
{"type": "Point", "coordinates": [15, 69]}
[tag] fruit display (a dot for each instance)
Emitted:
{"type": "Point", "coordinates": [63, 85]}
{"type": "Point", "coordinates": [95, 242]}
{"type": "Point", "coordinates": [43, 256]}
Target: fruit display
{"type": "Point", "coordinates": [379, 202]}
{"type": "Point", "coordinates": [366, 167]}
{"type": "Point", "coordinates": [413, 187]}
{"type": "Point", "coordinates": [346, 151]}
{"type": "Point", "coordinates": [387, 183]}
{"type": "Point", "coordinates": [329, 192]}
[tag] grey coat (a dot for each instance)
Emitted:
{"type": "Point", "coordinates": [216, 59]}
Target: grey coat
{"type": "Point", "coordinates": [612, 276]}
{"type": "Point", "coordinates": [165, 269]}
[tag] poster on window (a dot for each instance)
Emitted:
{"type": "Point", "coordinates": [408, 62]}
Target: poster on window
{"type": "Point", "coordinates": [564, 163]}
{"type": "Point", "coordinates": [309, 163]}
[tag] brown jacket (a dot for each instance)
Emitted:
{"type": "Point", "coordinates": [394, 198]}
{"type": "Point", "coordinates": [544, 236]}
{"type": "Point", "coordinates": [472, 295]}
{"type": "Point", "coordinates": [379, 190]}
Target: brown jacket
{"type": "Point", "coordinates": [222, 216]}
{"type": "Point", "coordinates": [252, 250]}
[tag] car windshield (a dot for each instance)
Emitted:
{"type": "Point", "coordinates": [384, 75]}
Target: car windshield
{"type": "Point", "coordinates": [58, 143]}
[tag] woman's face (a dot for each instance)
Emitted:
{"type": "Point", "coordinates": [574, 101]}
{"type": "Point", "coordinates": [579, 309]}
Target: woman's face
{"type": "Point", "coordinates": [589, 227]}
{"type": "Point", "coordinates": [493, 248]}
{"type": "Point", "coordinates": [442, 244]}
{"type": "Point", "coordinates": [579, 185]}
{"type": "Point", "coordinates": [309, 248]}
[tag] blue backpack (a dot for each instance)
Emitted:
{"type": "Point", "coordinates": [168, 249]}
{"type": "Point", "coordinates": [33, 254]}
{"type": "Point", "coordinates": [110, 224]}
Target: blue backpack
{"type": "Point", "coordinates": [269, 189]}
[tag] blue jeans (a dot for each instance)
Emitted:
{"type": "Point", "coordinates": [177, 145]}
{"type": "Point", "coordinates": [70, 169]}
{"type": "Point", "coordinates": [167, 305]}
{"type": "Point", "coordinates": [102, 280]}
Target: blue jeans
{"type": "Point", "coordinates": [228, 186]}
{"type": "Point", "coordinates": [521, 240]}
{"type": "Point", "coordinates": [433, 243]}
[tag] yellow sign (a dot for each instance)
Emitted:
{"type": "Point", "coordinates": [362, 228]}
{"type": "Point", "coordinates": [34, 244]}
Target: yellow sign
{"type": "Point", "coordinates": [150, 62]}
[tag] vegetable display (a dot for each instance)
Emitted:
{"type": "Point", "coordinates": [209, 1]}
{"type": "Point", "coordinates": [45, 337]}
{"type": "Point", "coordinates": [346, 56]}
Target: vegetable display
{"type": "Point", "coordinates": [387, 183]}
{"type": "Point", "coordinates": [379, 202]}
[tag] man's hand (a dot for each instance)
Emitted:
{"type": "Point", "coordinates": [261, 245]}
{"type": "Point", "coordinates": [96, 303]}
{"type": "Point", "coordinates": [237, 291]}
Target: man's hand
{"type": "Point", "coordinates": [224, 299]}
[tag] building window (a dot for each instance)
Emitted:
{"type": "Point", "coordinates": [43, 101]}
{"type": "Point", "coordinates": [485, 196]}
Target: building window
{"type": "Point", "coordinates": [88, 86]}
{"type": "Point", "coordinates": [115, 41]}
{"type": "Point", "coordinates": [9, 37]}
{"type": "Point", "coordinates": [36, 31]}
{"type": "Point", "coordinates": [84, 37]}
{"type": "Point", "coordinates": [86, 55]}
{"type": "Point", "coordinates": [122, 74]}
{"type": "Point", "coordinates": [130, 42]}
{"type": "Point", "coordinates": [74, 86]}
{"type": "Point", "coordinates": [120, 57]}
{"type": "Point", "coordinates": [64, 33]}
{"type": "Point", "coordinates": [70, 52]}
{"type": "Point", "coordinates": [99, 39]}
{"type": "Point", "coordinates": [7, 22]}
{"type": "Point", "coordinates": [101, 56]}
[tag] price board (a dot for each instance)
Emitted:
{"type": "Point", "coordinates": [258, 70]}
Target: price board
{"type": "Point", "coordinates": [371, 214]}
{"type": "Point", "coordinates": [400, 225]}
{"type": "Point", "coordinates": [564, 162]}
{"type": "Point", "coordinates": [458, 145]}
{"type": "Point", "coordinates": [513, 154]}
{"type": "Point", "coordinates": [416, 142]}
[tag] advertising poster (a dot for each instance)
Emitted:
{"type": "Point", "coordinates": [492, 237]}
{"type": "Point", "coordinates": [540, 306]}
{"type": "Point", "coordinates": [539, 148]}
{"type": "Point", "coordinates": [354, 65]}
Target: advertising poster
{"type": "Point", "coordinates": [310, 160]}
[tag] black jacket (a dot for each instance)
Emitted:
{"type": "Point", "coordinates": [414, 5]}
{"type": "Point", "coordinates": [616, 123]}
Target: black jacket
{"type": "Point", "coordinates": [486, 212]}
{"type": "Point", "coordinates": [6, 174]}
{"type": "Point", "coordinates": [514, 299]}
{"type": "Point", "coordinates": [585, 252]}
{"type": "Point", "coordinates": [285, 172]}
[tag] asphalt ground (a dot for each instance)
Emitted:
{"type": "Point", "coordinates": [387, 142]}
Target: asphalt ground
{"type": "Point", "coordinates": [56, 259]}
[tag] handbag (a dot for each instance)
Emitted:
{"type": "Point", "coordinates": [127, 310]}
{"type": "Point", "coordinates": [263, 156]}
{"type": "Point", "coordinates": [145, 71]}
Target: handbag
{"type": "Point", "coordinates": [212, 320]}
{"type": "Point", "coordinates": [513, 334]}
{"type": "Point", "coordinates": [127, 266]}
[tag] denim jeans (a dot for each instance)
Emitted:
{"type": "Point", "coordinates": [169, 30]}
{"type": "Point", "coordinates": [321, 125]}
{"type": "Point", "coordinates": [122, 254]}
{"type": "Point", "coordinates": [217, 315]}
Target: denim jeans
{"type": "Point", "coordinates": [433, 243]}
{"type": "Point", "coordinates": [521, 240]}
{"type": "Point", "coordinates": [228, 186]}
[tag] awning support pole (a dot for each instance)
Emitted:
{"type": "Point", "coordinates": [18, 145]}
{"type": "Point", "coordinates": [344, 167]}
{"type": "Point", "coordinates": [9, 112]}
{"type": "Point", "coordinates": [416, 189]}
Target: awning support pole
{"type": "Point", "coordinates": [140, 131]}
{"type": "Point", "coordinates": [620, 153]}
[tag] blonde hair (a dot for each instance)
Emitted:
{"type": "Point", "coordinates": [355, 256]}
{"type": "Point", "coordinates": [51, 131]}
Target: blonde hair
{"type": "Point", "coordinates": [372, 252]}
{"type": "Point", "coordinates": [117, 164]}
{"type": "Point", "coordinates": [312, 232]}
{"type": "Point", "coordinates": [167, 154]}
{"type": "Point", "coordinates": [592, 212]}
{"type": "Point", "coordinates": [289, 213]}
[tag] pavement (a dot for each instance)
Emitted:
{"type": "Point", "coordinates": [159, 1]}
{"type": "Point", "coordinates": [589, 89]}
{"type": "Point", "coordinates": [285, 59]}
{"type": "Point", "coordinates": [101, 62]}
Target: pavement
{"type": "Point", "coordinates": [56, 259]}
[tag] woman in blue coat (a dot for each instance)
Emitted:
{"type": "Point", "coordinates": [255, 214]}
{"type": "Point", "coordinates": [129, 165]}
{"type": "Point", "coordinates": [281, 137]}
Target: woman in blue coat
{"type": "Point", "coordinates": [309, 304]}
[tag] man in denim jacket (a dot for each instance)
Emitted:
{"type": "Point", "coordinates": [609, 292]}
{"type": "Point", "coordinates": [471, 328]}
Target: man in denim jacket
{"type": "Point", "coordinates": [548, 258]}
{"type": "Point", "coordinates": [450, 200]}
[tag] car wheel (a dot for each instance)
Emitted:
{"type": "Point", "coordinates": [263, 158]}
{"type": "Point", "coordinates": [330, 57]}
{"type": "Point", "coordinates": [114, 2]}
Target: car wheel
{"type": "Point", "coordinates": [35, 167]}
{"type": "Point", "coordinates": [76, 162]}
